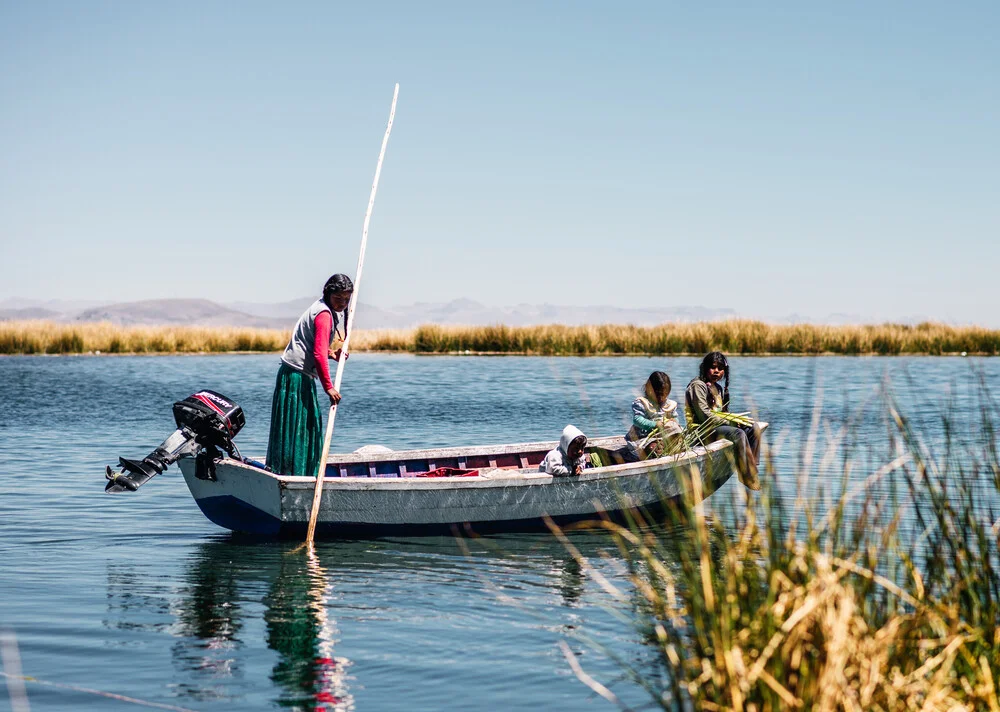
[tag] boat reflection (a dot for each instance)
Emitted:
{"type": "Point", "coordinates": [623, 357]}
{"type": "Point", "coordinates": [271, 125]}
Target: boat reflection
{"type": "Point", "coordinates": [241, 605]}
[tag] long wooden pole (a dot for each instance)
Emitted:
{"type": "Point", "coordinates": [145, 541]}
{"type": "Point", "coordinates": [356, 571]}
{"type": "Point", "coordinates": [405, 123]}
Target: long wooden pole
{"type": "Point", "coordinates": [345, 349]}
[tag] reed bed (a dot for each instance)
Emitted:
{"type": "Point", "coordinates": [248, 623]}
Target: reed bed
{"type": "Point", "coordinates": [733, 337]}
{"type": "Point", "coordinates": [39, 337]}
{"type": "Point", "coordinates": [855, 608]}
{"type": "Point", "coordinates": [43, 337]}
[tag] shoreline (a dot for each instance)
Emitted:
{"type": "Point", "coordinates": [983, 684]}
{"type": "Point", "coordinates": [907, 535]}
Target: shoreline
{"type": "Point", "coordinates": [514, 354]}
{"type": "Point", "coordinates": [733, 337]}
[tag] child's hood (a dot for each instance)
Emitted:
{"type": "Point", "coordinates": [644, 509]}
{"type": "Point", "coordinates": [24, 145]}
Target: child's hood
{"type": "Point", "coordinates": [569, 434]}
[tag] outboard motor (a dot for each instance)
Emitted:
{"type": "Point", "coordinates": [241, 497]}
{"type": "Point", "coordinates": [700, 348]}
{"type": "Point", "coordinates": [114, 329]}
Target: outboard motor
{"type": "Point", "coordinates": [207, 422]}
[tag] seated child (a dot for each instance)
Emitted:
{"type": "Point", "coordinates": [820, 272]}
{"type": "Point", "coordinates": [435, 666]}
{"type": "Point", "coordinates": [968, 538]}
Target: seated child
{"type": "Point", "coordinates": [569, 458]}
{"type": "Point", "coordinates": [706, 405]}
{"type": "Point", "coordinates": [654, 419]}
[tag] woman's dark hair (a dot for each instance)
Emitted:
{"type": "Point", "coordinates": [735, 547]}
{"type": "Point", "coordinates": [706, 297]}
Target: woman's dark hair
{"type": "Point", "coordinates": [660, 383]}
{"type": "Point", "coordinates": [337, 284]}
{"type": "Point", "coordinates": [719, 360]}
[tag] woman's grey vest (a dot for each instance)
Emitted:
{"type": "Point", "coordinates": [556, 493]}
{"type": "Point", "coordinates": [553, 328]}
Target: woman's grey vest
{"type": "Point", "coordinates": [299, 352]}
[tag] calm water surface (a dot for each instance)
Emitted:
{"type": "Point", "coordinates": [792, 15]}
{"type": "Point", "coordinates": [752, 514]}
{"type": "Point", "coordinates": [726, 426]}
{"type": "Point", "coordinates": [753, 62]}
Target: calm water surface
{"type": "Point", "coordinates": [141, 596]}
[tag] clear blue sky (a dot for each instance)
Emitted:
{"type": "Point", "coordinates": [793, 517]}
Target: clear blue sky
{"type": "Point", "coordinates": [797, 157]}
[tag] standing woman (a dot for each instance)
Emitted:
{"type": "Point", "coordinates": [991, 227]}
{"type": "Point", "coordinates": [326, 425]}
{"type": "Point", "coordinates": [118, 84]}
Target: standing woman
{"type": "Point", "coordinates": [706, 402]}
{"type": "Point", "coordinates": [295, 444]}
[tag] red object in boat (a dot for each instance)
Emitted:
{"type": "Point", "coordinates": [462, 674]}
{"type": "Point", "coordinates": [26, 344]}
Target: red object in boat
{"type": "Point", "coordinates": [448, 472]}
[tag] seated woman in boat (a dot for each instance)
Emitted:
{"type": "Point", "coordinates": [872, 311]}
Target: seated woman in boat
{"type": "Point", "coordinates": [655, 429]}
{"type": "Point", "coordinates": [706, 407]}
{"type": "Point", "coordinates": [295, 444]}
{"type": "Point", "coordinates": [570, 457]}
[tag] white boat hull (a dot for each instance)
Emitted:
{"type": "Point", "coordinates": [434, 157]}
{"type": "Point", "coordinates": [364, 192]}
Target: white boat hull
{"type": "Point", "coordinates": [248, 499]}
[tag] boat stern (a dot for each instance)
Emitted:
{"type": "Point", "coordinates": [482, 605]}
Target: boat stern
{"type": "Point", "coordinates": [241, 498]}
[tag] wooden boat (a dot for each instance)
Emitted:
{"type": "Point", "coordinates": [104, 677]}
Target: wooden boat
{"type": "Point", "coordinates": [389, 493]}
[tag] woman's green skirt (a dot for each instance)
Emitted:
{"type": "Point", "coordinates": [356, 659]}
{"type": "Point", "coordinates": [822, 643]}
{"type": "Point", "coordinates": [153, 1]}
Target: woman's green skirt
{"type": "Point", "coordinates": [296, 441]}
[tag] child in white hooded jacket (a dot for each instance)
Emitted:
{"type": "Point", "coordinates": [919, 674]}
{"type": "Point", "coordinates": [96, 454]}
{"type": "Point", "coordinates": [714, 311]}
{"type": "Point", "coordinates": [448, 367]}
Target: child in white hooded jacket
{"type": "Point", "coordinates": [569, 458]}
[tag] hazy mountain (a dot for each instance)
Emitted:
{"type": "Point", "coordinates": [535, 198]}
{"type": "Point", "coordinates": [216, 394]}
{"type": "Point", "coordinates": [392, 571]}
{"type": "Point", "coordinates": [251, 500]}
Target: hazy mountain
{"type": "Point", "coordinates": [28, 313]}
{"type": "Point", "coordinates": [371, 316]}
{"type": "Point", "coordinates": [470, 312]}
{"type": "Point", "coordinates": [853, 319]}
{"type": "Point", "coordinates": [282, 315]}
{"type": "Point", "coordinates": [290, 309]}
{"type": "Point", "coordinates": [193, 312]}
{"type": "Point", "coordinates": [57, 306]}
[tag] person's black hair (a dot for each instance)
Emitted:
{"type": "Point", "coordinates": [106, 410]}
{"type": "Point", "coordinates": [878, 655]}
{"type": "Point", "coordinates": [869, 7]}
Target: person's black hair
{"type": "Point", "coordinates": [660, 382]}
{"type": "Point", "coordinates": [718, 359]}
{"type": "Point", "coordinates": [337, 284]}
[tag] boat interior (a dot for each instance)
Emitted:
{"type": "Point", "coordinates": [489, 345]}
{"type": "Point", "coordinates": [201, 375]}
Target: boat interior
{"type": "Point", "coordinates": [376, 461]}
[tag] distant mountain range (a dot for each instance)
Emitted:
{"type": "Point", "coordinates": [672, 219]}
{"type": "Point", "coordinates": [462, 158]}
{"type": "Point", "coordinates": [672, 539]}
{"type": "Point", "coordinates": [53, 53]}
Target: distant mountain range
{"type": "Point", "coordinates": [202, 312]}
{"type": "Point", "coordinates": [195, 312]}
{"type": "Point", "coordinates": [282, 315]}
{"type": "Point", "coordinates": [25, 313]}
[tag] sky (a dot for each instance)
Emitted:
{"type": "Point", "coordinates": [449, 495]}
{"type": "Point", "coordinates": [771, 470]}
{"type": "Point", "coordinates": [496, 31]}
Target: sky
{"type": "Point", "coordinates": [774, 158]}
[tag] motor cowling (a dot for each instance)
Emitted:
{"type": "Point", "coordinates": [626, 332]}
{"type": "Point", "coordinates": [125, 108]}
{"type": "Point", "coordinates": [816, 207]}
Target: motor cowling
{"type": "Point", "coordinates": [206, 421]}
{"type": "Point", "coordinates": [214, 418]}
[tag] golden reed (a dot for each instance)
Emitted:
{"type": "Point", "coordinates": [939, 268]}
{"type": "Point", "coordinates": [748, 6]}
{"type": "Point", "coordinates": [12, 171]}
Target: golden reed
{"type": "Point", "coordinates": [884, 597]}
{"type": "Point", "coordinates": [44, 337]}
{"type": "Point", "coordinates": [734, 337]}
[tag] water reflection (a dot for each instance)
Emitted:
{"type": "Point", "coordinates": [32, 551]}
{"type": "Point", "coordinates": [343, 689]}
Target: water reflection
{"type": "Point", "coordinates": [137, 599]}
{"type": "Point", "coordinates": [234, 600]}
{"type": "Point", "coordinates": [570, 580]}
{"type": "Point", "coordinates": [229, 587]}
{"type": "Point", "coordinates": [301, 630]}
{"type": "Point", "coordinates": [225, 582]}
{"type": "Point", "coordinates": [210, 618]}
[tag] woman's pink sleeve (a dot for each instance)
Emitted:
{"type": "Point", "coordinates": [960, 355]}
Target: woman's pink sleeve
{"type": "Point", "coordinates": [321, 348]}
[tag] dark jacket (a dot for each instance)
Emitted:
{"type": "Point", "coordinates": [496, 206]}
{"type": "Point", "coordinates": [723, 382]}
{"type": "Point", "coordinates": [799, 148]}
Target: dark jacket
{"type": "Point", "coordinates": [700, 399]}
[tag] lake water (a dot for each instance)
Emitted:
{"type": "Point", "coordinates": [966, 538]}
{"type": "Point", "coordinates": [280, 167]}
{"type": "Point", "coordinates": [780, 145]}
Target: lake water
{"type": "Point", "coordinates": [140, 596]}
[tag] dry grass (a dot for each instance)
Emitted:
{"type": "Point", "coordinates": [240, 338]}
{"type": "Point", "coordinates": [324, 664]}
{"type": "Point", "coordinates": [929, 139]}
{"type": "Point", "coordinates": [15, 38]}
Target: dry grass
{"type": "Point", "coordinates": [733, 337]}
{"type": "Point", "coordinates": [43, 337]}
{"type": "Point", "coordinates": [844, 614]}
{"type": "Point", "coordinates": [39, 337]}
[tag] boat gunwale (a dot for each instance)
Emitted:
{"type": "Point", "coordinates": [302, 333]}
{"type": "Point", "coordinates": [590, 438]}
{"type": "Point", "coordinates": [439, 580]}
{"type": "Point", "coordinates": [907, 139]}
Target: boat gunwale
{"type": "Point", "coordinates": [518, 477]}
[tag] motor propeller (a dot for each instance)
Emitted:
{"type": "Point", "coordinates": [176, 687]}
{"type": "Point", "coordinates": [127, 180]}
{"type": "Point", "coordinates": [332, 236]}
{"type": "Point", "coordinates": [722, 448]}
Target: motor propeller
{"type": "Point", "coordinates": [207, 422]}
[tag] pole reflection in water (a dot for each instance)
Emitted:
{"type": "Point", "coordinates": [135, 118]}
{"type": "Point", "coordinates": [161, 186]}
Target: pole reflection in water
{"type": "Point", "coordinates": [231, 598]}
{"type": "Point", "coordinates": [300, 629]}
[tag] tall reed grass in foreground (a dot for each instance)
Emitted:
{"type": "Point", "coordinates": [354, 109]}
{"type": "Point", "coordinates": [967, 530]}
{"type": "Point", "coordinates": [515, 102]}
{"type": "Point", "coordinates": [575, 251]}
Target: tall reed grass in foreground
{"type": "Point", "coordinates": [888, 601]}
{"type": "Point", "coordinates": [733, 337]}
